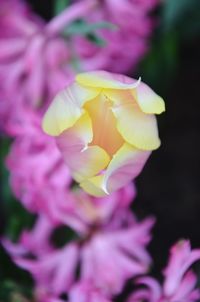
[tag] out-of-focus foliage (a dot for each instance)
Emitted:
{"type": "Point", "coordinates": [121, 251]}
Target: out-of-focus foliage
{"type": "Point", "coordinates": [178, 23]}
{"type": "Point", "coordinates": [182, 16]}
{"type": "Point", "coordinates": [10, 291]}
{"type": "Point", "coordinates": [18, 216]}
{"type": "Point", "coordinates": [60, 5]}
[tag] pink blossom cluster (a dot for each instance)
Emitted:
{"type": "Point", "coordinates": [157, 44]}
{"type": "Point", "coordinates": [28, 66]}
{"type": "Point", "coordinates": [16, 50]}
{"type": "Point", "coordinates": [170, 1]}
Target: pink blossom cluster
{"type": "Point", "coordinates": [36, 60]}
{"type": "Point", "coordinates": [179, 279]}
{"type": "Point", "coordinates": [108, 248]}
{"type": "Point", "coordinates": [109, 244]}
{"type": "Point", "coordinates": [103, 255]}
{"type": "Point", "coordinates": [133, 28]}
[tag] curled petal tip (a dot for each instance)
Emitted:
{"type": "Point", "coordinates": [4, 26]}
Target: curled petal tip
{"type": "Point", "coordinates": [104, 188]}
{"type": "Point", "coordinates": [84, 148]}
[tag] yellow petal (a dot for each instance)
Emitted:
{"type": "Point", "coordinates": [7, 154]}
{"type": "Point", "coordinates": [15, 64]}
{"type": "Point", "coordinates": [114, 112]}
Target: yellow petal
{"type": "Point", "coordinates": [80, 134]}
{"type": "Point", "coordinates": [66, 109]}
{"type": "Point", "coordinates": [80, 94]}
{"type": "Point", "coordinates": [73, 143]}
{"type": "Point", "coordinates": [77, 137]}
{"type": "Point", "coordinates": [119, 97]}
{"type": "Point", "coordinates": [148, 100]}
{"type": "Point", "coordinates": [88, 163]}
{"type": "Point", "coordinates": [104, 79]}
{"type": "Point", "coordinates": [137, 128]}
{"type": "Point", "coordinates": [125, 165]}
{"type": "Point", "coordinates": [93, 186]}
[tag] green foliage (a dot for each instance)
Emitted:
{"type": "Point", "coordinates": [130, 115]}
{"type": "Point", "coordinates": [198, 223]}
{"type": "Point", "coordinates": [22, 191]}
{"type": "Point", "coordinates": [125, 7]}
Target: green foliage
{"type": "Point", "coordinates": [5, 145]}
{"type": "Point", "coordinates": [60, 5]}
{"type": "Point", "coordinates": [13, 280]}
{"type": "Point", "coordinates": [184, 16]}
{"type": "Point", "coordinates": [159, 66]}
{"type": "Point", "coordinates": [82, 27]}
{"type": "Point", "coordinates": [19, 218]}
{"type": "Point", "coordinates": [89, 30]}
{"type": "Point", "coordinates": [12, 292]}
{"type": "Point", "coordinates": [179, 23]}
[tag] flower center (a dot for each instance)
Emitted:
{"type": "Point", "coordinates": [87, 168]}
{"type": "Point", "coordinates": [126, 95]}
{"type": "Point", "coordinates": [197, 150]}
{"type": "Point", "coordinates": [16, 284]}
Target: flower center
{"type": "Point", "coordinates": [105, 133]}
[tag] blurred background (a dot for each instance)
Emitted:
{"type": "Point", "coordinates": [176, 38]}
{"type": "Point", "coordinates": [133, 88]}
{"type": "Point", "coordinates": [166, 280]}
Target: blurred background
{"type": "Point", "coordinates": [169, 186]}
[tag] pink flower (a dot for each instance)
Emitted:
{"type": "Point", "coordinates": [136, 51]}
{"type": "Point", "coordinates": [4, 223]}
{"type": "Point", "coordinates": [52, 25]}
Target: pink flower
{"type": "Point", "coordinates": [35, 241]}
{"type": "Point", "coordinates": [179, 283]}
{"type": "Point", "coordinates": [106, 238]}
{"type": "Point", "coordinates": [86, 292]}
{"type": "Point", "coordinates": [83, 291]}
{"type": "Point", "coordinates": [38, 175]}
{"type": "Point", "coordinates": [126, 44]}
{"type": "Point", "coordinates": [37, 61]}
{"type": "Point", "coordinates": [33, 56]}
{"type": "Point", "coordinates": [81, 212]}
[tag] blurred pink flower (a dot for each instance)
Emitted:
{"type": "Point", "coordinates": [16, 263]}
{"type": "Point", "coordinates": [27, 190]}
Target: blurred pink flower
{"type": "Point", "coordinates": [81, 212]}
{"type": "Point", "coordinates": [126, 44]}
{"type": "Point", "coordinates": [35, 241]}
{"type": "Point", "coordinates": [33, 56]}
{"type": "Point", "coordinates": [108, 237]}
{"type": "Point", "coordinates": [38, 175]}
{"type": "Point", "coordinates": [179, 283]}
{"type": "Point", "coordinates": [83, 291]}
{"type": "Point", "coordinates": [86, 292]}
{"type": "Point", "coordinates": [38, 61]}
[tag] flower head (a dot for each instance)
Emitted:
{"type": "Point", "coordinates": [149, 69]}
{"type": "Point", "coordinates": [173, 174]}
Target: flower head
{"type": "Point", "coordinates": [105, 128]}
{"type": "Point", "coordinates": [38, 174]}
{"type": "Point", "coordinates": [86, 292]}
{"type": "Point", "coordinates": [125, 42]}
{"type": "Point", "coordinates": [180, 280]}
{"type": "Point", "coordinates": [106, 237]}
{"type": "Point", "coordinates": [34, 57]}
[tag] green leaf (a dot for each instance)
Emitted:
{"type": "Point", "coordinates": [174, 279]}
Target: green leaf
{"type": "Point", "coordinates": [81, 27]}
{"type": "Point", "coordinates": [5, 188]}
{"type": "Point", "coordinates": [13, 292]}
{"type": "Point", "coordinates": [176, 12]}
{"type": "Point", "coordinates": [159, 66]}
{"type": "Point", "coordinates": [60, 5]}
{"type": "Point", "coordinates": [96, 39]}
{"type": "Point", "coordinates": [19, 219]}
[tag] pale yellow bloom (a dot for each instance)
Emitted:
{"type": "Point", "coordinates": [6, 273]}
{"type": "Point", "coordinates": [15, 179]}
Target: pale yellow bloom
{"type": "Point", "coordinates": [105, 128]}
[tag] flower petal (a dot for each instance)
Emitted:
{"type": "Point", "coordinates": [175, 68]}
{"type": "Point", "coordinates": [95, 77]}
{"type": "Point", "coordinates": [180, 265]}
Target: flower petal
{"type": "Point", "coordinates": [80, 135]}
{"type": "Point", "coordinates": [119, 97]}
{"type": "Point", "coordinates": [83, 161]}
{"type": "Point", "coordinates": [88, 163]}
{"type": "Point", "coordinates": [104, 79]}
{"type": "Point", "coordinates": [66, 109]}
{"type": "Point", "coordinates": [126, 164]}
{"type": "Point", "coordinates": [136, 127]}
{"type": "Point", "coordinates": [94, 186]}
{"type": "Point", "coordinates": [105, 133]}
{"type": "Point", "coordinates": [148, 100]}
